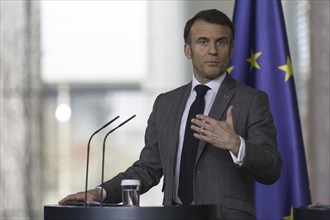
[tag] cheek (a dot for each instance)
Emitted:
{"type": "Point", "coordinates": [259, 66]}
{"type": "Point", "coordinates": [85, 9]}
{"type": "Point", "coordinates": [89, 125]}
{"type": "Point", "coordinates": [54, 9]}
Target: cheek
{"type": "Point", "coordinates": [226, 55]}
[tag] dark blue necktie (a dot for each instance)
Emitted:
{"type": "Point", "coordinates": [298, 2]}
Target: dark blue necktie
{"type": "Point", "coordinates": [189, 149]}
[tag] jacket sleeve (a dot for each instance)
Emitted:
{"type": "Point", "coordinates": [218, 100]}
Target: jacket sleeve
{"type": "Point", "coordinates": [262, 159]}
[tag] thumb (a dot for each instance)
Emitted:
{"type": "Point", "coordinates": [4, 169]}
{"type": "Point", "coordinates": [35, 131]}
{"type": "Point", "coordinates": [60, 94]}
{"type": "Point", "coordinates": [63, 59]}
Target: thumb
{"type": "Point", "coordinates": [229, 118]}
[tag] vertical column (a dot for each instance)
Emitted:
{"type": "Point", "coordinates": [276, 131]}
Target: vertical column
{"type": "Point", "coordinates": [298, 31]}
{"type": "Point", "coordinates": [318, 112]}
{"type": "Point", "coordinates": [20, 138]}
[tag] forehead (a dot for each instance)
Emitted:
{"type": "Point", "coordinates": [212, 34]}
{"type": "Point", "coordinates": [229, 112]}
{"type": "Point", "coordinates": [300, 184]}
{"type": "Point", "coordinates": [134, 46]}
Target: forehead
{"type": "Point", "coordinates": [204, 29]}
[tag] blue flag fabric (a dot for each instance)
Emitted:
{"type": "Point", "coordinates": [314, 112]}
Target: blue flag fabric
{"type": "Point", "coordinates": [262, 60]}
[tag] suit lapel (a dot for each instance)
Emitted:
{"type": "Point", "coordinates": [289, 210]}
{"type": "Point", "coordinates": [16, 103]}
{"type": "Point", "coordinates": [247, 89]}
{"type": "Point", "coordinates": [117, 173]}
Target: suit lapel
{"type": "Point", "coordinates": [180, 102]}
{"type": "Point", "coordinates": [220, 105]}
{"type": "Point", "coordinates": [223, 98]}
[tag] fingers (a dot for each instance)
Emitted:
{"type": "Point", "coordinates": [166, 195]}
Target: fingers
{"type": "Point", "coordinates": [204, 125]}
{"type": "Point", "coordinates": [77, 197]}
{"type": "Point", "coordinates": [92, 195]}
{"type": "Point", "coordinates": [204, 120]}
{"type": "Point", "coordinates": [220, 134]}
{"type": "Point", "coordinates": [229, 119]}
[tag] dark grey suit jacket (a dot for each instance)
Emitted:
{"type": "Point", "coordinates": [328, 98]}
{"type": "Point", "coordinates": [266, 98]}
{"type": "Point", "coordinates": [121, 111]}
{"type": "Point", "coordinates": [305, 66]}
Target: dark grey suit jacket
{"type": "Point", "coordinates": [217, 179]}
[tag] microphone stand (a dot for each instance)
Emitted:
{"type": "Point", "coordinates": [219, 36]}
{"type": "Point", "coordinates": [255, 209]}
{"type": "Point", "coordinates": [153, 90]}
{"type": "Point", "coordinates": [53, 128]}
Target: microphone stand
{"type": "Point", "coordinates": [105, 138]}
{"type": "Point", "coordinates": [88, 149]}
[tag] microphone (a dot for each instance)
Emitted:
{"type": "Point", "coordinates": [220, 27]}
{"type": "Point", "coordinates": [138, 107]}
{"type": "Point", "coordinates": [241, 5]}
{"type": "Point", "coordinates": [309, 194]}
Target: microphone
{"type": "Point", "coordinates": [105, 138]}
{"type": "Point", "coordinates": [88, 149]}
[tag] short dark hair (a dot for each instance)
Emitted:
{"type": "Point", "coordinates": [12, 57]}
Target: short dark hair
{"type": "Point", "coordinates": [212, 16]}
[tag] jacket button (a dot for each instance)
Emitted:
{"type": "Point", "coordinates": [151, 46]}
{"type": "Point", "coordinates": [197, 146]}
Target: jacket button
{"type": "Point", "coordinates": [198, 171]}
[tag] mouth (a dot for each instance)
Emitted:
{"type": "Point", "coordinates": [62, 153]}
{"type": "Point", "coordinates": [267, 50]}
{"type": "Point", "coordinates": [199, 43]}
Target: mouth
{"type": "Point", "coordinates": [212, 62]}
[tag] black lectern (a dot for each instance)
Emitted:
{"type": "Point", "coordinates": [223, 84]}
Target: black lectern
{"type": "Point", "coordinates": [320, 212]}
{"type": "Point", "coordinates": [116, 212]}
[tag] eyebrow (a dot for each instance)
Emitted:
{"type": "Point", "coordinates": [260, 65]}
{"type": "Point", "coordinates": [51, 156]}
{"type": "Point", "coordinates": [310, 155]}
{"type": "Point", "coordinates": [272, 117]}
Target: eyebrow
{"type": "Point", "coordinates": [208, 39]}
{"type": "Point", "coordinates": [222, 38]}
{"type": "Point", "coordinates": [202, 38]}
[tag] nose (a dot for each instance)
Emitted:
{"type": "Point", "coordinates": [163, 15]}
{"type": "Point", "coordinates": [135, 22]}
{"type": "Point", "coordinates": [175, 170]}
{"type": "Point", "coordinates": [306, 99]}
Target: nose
{"type": "Point", "coordinates": [212, 49]}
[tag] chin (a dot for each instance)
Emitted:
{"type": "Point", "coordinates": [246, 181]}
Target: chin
{"type": "Point", "coordinates": [213, 75]}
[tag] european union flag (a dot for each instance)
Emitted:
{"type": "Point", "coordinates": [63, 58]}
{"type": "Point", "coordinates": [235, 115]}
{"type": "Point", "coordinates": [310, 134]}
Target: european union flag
{"type": "Point", "coordinates": [262, 60]}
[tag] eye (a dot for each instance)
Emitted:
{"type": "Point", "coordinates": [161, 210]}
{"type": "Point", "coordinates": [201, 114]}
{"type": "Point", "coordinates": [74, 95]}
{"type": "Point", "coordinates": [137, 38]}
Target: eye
{"type": "Point", "coordinates": [202, 42]}
{"type": "Point", "coordinates": [221, 42]}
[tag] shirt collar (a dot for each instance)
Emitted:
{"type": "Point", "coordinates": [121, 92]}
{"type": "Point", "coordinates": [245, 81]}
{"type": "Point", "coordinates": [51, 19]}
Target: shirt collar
{"type": "Point", "coordinates": [214, 84]}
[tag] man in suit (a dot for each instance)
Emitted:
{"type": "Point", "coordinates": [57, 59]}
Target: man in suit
{"type": "Point", "coordinates": [236, 136]}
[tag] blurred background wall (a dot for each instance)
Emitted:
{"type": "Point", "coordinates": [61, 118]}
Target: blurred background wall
{"type": "Point", "coordinates": [67, 67]}
{"type": "Point", "coordinates": [21, 132]}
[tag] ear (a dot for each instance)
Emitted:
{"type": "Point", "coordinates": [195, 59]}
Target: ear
{"type": "Point", "coordinates": [187, 50]}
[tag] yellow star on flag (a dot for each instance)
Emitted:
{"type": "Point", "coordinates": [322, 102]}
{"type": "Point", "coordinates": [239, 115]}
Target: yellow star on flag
{"type": "Point", "coordinates": [230, 68]}
{"type": "Point", "coordinates": [287, 68]}
{"type": "Point", "coordinates": [253, 60]}
{"type": "Point", "coordinates": [290, 217]}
